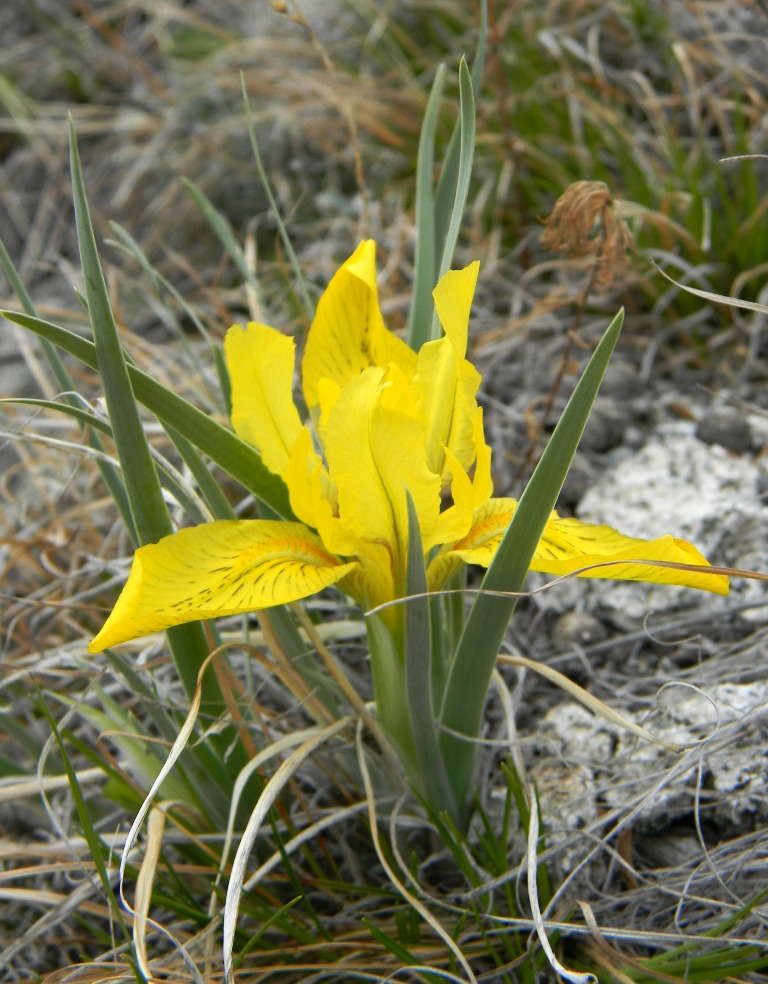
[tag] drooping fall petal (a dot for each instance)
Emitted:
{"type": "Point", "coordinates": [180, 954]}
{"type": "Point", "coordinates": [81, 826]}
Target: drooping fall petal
{"type": "Point", "coordinates": [568, 545]}
{"type": "Point", "coordinates": [348, 334]}
{"type": "Point", "coordinates": [227, 567]}
{"type": "Point", "coordinates": [261, 363]}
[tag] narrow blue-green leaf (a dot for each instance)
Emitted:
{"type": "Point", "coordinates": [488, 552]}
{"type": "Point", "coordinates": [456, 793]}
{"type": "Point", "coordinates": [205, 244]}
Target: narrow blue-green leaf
{"type": "Point", "coordinates": [435, 786]}
{"type": "Point", "coordinates": [144, 493]}
{"type": "Point", "coordinates": [448, 620]}
{"type": "Point", "coordinates": [109, 474]}
{"type": "Point", "coordinates": [445, 192]}
{"type": "Point", "coordinates": [298, 275]}
{"type": "Point", "coordinates": [425, 255]}
{"type": "Point", "coordinates": [481, 640]}
{"type": "Point", "coordinates": [222, 446]}
{"type": "Point", "coordinates": [466, 156]}
{"type": "Point", "coordinates": [187, 642]}
{"type": "Point", "coordinates": [85, 417]}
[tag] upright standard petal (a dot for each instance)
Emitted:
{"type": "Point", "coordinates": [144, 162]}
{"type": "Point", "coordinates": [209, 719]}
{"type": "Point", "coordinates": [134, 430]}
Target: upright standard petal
{"type": "Point", "coordinates": [446, 381]}
{"type": "Point", "coordinates": [446, 390]}
{"type": "Point", "coordinates": [348, 334]}
{"type": "Point", "coordinates": [261, 363]}
{"type": "Point", "coordinates": [453, 300]}
{"type": "Point", "coordinates": [228, 567]}
{"type": "Point", "coordinates": [375, 451]}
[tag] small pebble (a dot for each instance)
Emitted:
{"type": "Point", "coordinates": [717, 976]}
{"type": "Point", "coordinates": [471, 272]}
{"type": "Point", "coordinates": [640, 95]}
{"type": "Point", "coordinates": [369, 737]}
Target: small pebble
{"type": "Point", "coordinates": [606, 426]}
{"type": "Point", "coordinates": [728, 428]}
{"type": "Point", "coordinates": [581, 476]}
{"type": "Point", "coordinates": [577, 629]}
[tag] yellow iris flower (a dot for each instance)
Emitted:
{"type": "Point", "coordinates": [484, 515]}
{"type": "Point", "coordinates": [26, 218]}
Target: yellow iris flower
{"type": "Point", "coordinates": [383, 421]}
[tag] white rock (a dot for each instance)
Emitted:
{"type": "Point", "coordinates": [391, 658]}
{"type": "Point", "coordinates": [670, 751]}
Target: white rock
{"type": "Point", "coordinates": [715, 725]}
{"type": "Point", "coordinates": [676, 484]}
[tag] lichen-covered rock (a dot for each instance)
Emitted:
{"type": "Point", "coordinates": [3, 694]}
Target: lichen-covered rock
{"type": "Point", "coordinates": [677, 484]}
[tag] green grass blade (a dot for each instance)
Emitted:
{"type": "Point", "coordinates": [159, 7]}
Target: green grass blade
{"type": "Point", "coordinates": [222, 229]}
{"type": "Point", "coordinates": [222, 446]}
{"type": "Point", "coordinates": [209, 488]}
{"type": "Point", "coordinates": [98, 850]}
{"type": "Point", "coordinates": [395, 947]}
{"type": "Point", "coordinates": [109, 474]}
{"type": "Point", "coordinates": [475, 657]}
{"type": "Point", "coordinates": [306, 300]}
{"type": "Point", "coordinates": [63, 379]}
{"type": "Point", "coordinates": [128, 244]}
{"type": "Point", "coordinates": [425, 258]}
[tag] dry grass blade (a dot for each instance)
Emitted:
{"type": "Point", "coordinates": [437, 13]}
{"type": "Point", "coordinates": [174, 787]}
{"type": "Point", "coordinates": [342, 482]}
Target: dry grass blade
{"type": "Point", "coordinates": [709, 295]}
{"type": "Point", "coordinates": [415, 903]}
{"type": "Point", "coordinates": [144, 883]}
{"type": "Point", "coordinates": [274, 749]}
{"type": "Point", "coordinates": [177, 748]}
{"type": "Point", "coordinates": [595, 705]}
{"type": "Point", "coordinates": [270, 793]}
{"type": "Point", "coordinates": [573, 977]}
{"type": "Point", "coordinates": [12, 789]}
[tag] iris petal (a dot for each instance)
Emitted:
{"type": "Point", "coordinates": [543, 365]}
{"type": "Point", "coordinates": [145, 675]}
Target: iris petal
{"type": "Point", "coordinates": [446, 390]}
{"type": "Point", "coordinates": [567, 545]}
{"type": "Point", "coordinates": [261, 364]}
{"type": "Point", "coordinates": [375, 451]}
{"type": "Point", "coordinates": [453, 300]}
{"type": "Point", "coordinates": [348, 334]}
{"type": "Point", "coordinates": [227, 567]}
{"type": "Point", "coordinates": [447, 383]}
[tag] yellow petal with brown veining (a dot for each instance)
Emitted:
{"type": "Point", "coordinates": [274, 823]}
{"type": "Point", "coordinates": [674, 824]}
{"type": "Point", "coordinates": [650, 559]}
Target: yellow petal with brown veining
{"type": "Point", "coordinates": [228, 567]}
{"type": "Point", "coordinates": [348, 333]}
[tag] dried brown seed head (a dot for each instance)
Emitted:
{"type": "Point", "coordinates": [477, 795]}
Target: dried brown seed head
{"type": "Point", "coordinates": [584, 223]}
